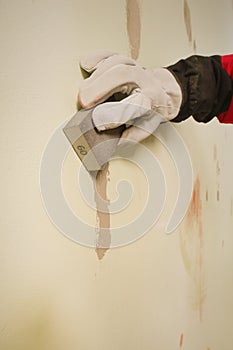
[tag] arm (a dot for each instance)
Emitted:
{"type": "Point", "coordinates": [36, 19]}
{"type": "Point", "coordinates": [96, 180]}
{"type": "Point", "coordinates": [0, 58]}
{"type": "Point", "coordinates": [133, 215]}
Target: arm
{"type": "Point", "coordinates": [207, 87]}
{"type": "Point", "coordinates": [197, 86]}
{"type": "Point", "coordinates": [227, 64]}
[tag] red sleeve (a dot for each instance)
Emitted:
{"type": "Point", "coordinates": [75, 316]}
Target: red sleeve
{"type": "Point", "coordinates": [227, 64]}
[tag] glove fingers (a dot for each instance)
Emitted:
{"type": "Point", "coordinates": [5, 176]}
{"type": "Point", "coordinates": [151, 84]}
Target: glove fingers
{"type": "Point", "coordinates": [112, 114]}
{"type": "Point", "coordinates": [105, 59]}
{"type": "Point", "coordinates": [99, 87]}
{"type": "Point", "coordinates": [90, 62]}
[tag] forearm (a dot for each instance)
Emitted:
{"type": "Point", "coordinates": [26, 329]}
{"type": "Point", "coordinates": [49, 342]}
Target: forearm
{"type": "Point", "coordinates": [207, 87]}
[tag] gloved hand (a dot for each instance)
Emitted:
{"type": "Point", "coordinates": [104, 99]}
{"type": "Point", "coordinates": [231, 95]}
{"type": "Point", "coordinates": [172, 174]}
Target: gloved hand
{"type": "Point", "coordinates": [142, 98]}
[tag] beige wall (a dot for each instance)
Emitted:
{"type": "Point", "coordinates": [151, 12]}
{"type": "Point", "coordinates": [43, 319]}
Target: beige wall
{"type": "Point", "coordinates": [161, 292]}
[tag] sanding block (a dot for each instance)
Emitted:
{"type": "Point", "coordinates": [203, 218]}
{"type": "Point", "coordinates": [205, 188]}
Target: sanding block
{"type": "Point", "coordinates": [93, 147]}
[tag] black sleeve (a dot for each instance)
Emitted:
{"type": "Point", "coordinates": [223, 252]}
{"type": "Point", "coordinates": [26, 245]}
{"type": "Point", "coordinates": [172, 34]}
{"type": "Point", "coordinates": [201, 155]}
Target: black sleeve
{"type": "Point", "coordinates": [206, 87]}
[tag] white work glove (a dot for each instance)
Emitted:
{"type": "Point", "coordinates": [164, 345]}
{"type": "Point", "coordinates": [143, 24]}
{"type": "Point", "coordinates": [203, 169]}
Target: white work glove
{"type": "Point", "coordinates": [150, 96]}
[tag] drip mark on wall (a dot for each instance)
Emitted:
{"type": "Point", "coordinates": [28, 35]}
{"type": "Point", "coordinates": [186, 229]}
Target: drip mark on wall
{"type": "Point", "coordinates": [194, 46]}
{"type": "Point", "coordinates": [181, 340]}
{"type": "Point", "coordinates": [192, 248]}
{"type": "Point", "coordinates": [218, 169]}
{"type": "Point", "coordinates": [231, 206]}
{"type": "Point", "coordinates": [102, 213]}
{"type": "Point", "coordinates": [133, 16]}
{"type": "Point", "coordinates": [207, 195]}
{"type": "Point", "coordinates": [188, 26]}
{"type": "Point", "coordinates": [101, 179]}
{"type": "Point", "coordinates": [187, 19]}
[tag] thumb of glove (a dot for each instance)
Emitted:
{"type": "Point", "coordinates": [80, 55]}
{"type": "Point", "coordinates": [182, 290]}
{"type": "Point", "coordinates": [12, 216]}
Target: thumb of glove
{"type": "Point", "coordinates": [110, 115]}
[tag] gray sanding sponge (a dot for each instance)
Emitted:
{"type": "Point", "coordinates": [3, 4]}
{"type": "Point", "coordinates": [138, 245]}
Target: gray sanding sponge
{"type": "Point", "coordinates": [93, 147]}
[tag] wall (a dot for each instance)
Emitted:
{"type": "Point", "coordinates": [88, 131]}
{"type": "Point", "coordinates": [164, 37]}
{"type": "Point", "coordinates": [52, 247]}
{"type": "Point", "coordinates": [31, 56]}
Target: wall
{"type": "Point", "coordinates": [160, 292]}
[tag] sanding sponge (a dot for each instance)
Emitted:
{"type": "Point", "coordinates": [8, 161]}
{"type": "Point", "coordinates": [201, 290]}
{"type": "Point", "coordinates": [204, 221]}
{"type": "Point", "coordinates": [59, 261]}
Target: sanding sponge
{"type": "Point", "coordinates": [93, 147]}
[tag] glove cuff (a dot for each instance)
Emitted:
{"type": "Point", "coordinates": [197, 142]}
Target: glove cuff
{"type": "Point", "coordinates": [172, 90]}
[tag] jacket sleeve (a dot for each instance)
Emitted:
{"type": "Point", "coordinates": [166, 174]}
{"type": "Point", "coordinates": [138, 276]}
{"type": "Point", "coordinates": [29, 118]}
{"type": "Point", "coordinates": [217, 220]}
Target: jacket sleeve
{"type": "Point", "coordinates": [227, 64]}
{"type": "Point", "coordinates": [207, 87]}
